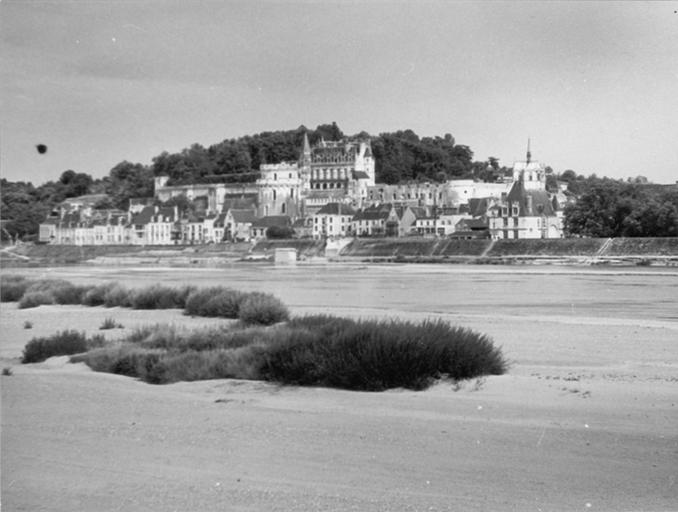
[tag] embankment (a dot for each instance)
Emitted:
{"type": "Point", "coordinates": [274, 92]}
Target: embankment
{"type": "Point", "coordinates": [621, 251]}
{"type": "Point", "coordinates": [172, 255]}
{"type": "Point", "coordinates": [577, 251]}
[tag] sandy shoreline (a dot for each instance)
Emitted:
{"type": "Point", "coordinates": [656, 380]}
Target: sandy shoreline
{"type": "Point", "coordinates": [585, 420]}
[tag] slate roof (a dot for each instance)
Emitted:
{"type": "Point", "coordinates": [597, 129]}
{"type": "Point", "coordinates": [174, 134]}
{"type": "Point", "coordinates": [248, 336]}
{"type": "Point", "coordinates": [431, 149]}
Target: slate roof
{"type": "Point", "coordinates": [336, 209]}
{"type": "Point", "coordinates": [478, 206]}
{"type": "Point", "coordinates": [473, 224]}
{"type": "Point", "coordinates": [272, 220]}
{"type": "Point", "coordinates": [220, 220]}
{"type": "Point", "coordinates": [240, 201]}
{"type": "Point", "coordinates": [144, 216]}
{"type": "Point", "coordinates": [360, 175]}
{"type": "Point", "coordinates": [419, 212]}
{"type": "Point", "coordinates": [373, 213]}
{"type": "Point", "coordinates": [540, 201]}
{"type": "Point", "coordinates": [243, 216]}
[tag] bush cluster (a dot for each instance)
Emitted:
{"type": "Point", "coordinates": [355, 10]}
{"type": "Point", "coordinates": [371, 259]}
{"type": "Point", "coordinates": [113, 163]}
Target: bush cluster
{"type": "Point", "coordinates": [12, 288]}
{"type": "Point", "coordinates": [218, 301]}
{"type": "Point", "coordinates": [62, 343]}
{"type": "Point", "coordinates": [250, 308]}
{"type": "Point", "coordinates": [314, 351]}
{"type": "Point", "coordinates": [377, 355]}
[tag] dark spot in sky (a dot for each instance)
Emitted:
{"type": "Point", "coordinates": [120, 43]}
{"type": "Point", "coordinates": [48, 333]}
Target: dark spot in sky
{"type": "Point", "coordinates": [42, 149]}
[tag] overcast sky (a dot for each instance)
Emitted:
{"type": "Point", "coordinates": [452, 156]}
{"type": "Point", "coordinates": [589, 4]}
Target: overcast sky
{"type": "Point", "coordinates": [595, 85]}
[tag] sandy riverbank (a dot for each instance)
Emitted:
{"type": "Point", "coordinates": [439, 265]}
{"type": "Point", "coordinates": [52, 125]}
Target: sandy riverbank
{"type": "Point", "coordinates": [584, 421]}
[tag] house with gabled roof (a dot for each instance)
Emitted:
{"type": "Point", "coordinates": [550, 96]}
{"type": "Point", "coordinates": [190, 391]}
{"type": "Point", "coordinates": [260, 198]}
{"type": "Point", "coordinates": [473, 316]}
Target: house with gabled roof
{"type": "Point", "coordinates": [333, 220]}
{"type": "Point", "coordinates": [525, 213]}
{"type": "Point", "coordinates": [468, 229]}
{"type": "Point", "coordinates": [371, 221]}
{"type": "Point", "coordinates": [383, 220]}
{"type": "Point", "coordinates": [238, 225]}
{"type": "Point", "coordinates": [155, 225]}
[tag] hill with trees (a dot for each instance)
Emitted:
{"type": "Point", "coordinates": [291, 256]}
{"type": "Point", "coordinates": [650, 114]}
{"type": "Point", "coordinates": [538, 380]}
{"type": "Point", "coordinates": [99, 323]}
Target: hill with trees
{"type": "Point", "coordinates": [607, 208]}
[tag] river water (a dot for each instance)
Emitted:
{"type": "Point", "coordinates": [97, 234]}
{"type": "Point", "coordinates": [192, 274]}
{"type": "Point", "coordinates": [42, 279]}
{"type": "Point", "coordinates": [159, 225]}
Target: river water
{"type": "Point", "coordinates": [639, 295]}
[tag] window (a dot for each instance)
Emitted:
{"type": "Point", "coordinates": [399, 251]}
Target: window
{"type": "Point", "coordinates": [283, 208]}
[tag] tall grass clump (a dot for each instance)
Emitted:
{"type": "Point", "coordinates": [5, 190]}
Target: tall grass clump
{"type": "Point", "coordinates": [171, 338]}
{"type": "Point", "coordinates": [117, 296]}
{"type": "Point", "coordinates": [128, 360]}
{"type": "Point", "coordinates": [35, 299]}
{"type": "Point", "coordinates": [96, 295]}
{"type": "Point", "coordinates": [376, 355]}
{"type": "Point", "coordinates": [263, 309]}
{"type": "Point", "coordinates": [160, 297]}
{"type": "Point", "coordinates": [60, 344]}
{"type": "Point", "coordinates": [69, 293]}
{"type": "Point", "coordinates": [110, 323]}
{"type": "Point", "coordinates": [214, 302]}
{"type": "Point", "coordinates": [156, 366]}
{"type": "Point", "coordinates": [12, 288]}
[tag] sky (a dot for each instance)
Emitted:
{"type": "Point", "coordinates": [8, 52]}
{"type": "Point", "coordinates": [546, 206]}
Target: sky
{"type": "Point", "coordinates": [593, 85]}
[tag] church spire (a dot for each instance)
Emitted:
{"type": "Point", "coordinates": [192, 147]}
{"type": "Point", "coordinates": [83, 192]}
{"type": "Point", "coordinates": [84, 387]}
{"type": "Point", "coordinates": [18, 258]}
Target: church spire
{"type": "Point", "coordinates": [307, 147]}
{"type": "Point", "coordinates": [529, 154]}
{"type": "Point", "coordinates": [305, 156]}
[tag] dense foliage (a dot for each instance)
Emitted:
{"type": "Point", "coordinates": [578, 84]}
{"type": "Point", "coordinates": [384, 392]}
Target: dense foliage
{"type": "Point", "coordinates": [610, 208]}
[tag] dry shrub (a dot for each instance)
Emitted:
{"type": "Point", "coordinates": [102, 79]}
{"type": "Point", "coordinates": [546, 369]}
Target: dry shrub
{"type": "Point", "coordinates": [35, 299]}
{"type": "Point", "coordinates": [263, 309]}
{"type": "Point", "coordinates": [60, 344]}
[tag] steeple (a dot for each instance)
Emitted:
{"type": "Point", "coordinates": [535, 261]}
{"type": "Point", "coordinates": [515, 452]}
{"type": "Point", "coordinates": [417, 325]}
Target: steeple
{"type": "Point", "coordinates": [529, 155]}
{"type": "Point", "coordinates": [305, 157]}
{"type": "Point", "coordinates": [306, 151]}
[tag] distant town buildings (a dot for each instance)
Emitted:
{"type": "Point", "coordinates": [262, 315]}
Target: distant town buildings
{"type": "Point", "coordinates": [330, 192]}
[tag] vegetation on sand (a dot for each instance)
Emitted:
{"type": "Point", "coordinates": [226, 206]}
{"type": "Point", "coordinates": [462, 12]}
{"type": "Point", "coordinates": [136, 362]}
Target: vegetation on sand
{"type": "Point", "coordinates": [62, 343]}
{"type": "Point", "coordinates": [314, 351]}
{"type": "Point", "coordinates": [218, 301]}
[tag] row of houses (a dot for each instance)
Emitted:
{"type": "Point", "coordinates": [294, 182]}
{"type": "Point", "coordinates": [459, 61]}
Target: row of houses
{"type": "Point", "coordinates": [153, 225]}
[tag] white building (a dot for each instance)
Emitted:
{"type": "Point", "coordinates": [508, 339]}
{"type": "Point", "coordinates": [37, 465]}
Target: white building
{"type": "Point", "coordinates": [280, 189]}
